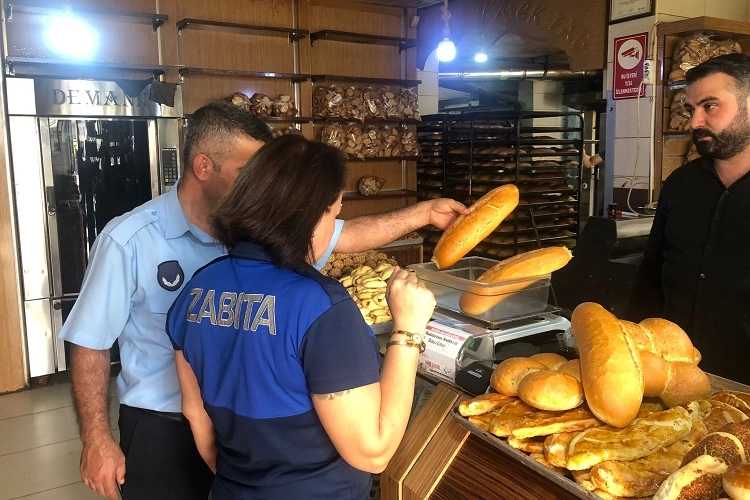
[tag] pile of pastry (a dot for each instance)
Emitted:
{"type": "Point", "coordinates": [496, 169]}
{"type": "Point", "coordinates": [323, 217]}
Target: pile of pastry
{"type": "Point", "coordinates": [632, 418]}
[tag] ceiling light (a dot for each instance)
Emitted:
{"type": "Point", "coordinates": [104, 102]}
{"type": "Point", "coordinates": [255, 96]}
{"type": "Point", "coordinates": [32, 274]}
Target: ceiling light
{"type": "Point", "coordinates": [446, 49]}
{"type": "Point", "coordinates": [71, 37]}
{"type": "Point", "coordinates": [480, 57]}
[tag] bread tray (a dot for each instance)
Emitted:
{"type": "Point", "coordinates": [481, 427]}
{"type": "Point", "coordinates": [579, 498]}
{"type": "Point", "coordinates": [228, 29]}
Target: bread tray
{"type": "Point", "coordinates": [504, 447]}
{"type": "Point", "coordinates": [717, 384]}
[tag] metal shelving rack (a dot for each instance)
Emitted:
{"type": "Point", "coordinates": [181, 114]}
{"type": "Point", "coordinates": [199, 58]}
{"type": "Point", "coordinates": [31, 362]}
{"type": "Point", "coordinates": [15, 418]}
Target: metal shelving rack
{"type": "Point", "coordinates": [466, 155]}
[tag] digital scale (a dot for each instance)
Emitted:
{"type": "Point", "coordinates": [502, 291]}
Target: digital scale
{"type": "Point", "coordinates": [463, 350]}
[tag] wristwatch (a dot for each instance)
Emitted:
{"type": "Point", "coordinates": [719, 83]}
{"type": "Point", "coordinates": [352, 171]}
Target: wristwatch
{"type": "Point", "coordinates": [412, 340]}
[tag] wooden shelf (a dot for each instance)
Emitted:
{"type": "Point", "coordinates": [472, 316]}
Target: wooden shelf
{"type": "Point", "coordinates": [295, 119]}
{"type": "Point", "coordinates": [63, 68]}
{"type": "Point", "coordinates": [293, 77]}
{"type": "Point", "coordinates": [368, 121]}
{"type": "Point", "coordinates": [155, 20]}
{"type": "Point", "coordinates": [293, 34]}
{"type": "Point", "coordinates": [362, 79]}
{"type": "Point", "coordinates": [396, 193]}
{"type": "Point", "coordinates": [351, 37]}
{"type": "Point", "coordinates": [385, 158]}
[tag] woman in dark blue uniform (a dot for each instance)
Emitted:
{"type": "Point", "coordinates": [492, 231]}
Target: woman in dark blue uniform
{"type": "Point", "coordinates": [279, 372]}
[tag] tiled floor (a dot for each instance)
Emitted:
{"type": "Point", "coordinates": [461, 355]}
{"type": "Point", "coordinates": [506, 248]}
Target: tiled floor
{"type": "Point", "coordinates": [39, 445]}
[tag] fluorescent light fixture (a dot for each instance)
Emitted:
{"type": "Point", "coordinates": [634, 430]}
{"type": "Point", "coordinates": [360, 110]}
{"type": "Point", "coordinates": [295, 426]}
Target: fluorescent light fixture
{"type": "Point", "coordinates": [480, 57]}
{"type": "Point", "coordinates": [446, 50]}
{"type": "Point", "coordinates": [71, 37]}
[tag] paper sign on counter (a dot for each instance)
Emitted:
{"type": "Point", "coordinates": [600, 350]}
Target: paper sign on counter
{"type": "Point", "coordinates": [443, 345]}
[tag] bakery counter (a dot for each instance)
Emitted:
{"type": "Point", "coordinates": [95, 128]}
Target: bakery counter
{"type": "Point", "coordinates": [441, 459]}
{"type": "Point", "coordinates": [443, 456]}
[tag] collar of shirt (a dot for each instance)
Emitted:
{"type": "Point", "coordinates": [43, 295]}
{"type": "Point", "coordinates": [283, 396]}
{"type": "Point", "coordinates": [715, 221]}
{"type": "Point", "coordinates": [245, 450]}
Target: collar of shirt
{"type": "Point", "coordinates": [177, 224]}
{"type": "Point", "coordinates": [250, 250]}
{"type": "Point", "coordinates": [708, 164]}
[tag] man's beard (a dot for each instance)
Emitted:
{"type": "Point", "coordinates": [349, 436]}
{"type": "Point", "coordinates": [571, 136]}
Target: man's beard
{"type": "Point", "coordinates": [729, 142]}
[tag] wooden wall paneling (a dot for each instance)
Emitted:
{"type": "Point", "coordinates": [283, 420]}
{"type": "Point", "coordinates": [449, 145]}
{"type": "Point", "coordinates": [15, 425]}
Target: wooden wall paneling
{"type": "Point", "coordinates": [12, 352]}
{"type": "Point", "coordinates": [256, 12]}
{"type": "Point", "coordinates": [168, 38]}
{"type": "Point", "coordinates": [410, 55]}
{"type": "Point", "coordinates": [363, 8]}
{"type": "Point", "coordinates": [354, 59]}
{"type": "Point", "coordinates": [198, 90]}
{"type": "Point", "coordinates": [221, 50]}
{"type": "Point", "coordinates": [389, 170]}
{"type": "Point", "coordinates": [305, 54]}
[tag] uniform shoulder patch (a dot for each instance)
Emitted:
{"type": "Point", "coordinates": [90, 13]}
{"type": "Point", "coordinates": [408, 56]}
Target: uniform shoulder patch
{"type": "Point", "coordinates": [126, 228]}
{"type": "Point", "coordinates": [170, 275]}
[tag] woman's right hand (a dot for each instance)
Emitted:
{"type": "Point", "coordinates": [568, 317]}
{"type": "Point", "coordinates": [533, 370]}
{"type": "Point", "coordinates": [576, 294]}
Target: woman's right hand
{"type": "Point", "coordinates": [410, 301]}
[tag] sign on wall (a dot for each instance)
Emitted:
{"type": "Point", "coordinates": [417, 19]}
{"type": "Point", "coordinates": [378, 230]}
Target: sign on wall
{"type": "Point", "coordinates": [630, 52]}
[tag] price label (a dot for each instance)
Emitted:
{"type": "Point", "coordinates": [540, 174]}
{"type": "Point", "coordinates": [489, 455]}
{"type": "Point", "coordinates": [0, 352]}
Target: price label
{"type": "Point", "coordinates": [443, 345]}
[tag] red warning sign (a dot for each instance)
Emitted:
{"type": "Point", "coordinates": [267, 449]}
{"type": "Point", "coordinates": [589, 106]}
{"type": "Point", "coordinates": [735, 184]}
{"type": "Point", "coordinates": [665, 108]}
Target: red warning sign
{"type": "Point", "coordinates": [630, 52]}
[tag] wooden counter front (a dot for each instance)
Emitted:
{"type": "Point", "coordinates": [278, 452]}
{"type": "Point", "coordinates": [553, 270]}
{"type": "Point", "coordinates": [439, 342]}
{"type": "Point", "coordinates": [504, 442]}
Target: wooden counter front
{"type": "Point", "coordinates": [440, 459]}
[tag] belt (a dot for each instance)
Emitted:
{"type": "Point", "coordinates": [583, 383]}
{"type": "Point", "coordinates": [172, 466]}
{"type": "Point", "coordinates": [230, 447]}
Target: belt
{"type": "Point", "coordinates": [175, 417]}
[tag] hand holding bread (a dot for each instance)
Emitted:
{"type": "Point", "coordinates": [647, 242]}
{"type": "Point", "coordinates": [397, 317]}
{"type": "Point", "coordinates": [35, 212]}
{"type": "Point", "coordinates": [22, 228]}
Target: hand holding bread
{"type": "Point", "coordinates": [468, 230]}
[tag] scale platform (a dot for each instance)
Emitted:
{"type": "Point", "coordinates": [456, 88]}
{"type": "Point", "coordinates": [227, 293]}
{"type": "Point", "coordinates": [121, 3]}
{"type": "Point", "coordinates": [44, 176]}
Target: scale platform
{"type": "Point", "coordinates": [463, 351]}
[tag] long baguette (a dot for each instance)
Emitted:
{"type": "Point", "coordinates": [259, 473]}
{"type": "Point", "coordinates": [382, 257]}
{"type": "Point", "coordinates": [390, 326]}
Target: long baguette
{"type": "Point", "coordinates": [611, 369]}
{"type": "Point", "coordinates": [468, 230]}
{"type": "Point", "coordinates": [475, 300]}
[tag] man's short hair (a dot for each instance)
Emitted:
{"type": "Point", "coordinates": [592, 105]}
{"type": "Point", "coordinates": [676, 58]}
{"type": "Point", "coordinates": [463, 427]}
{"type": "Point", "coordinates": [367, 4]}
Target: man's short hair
{"type": "Point", "coordinates": [735, 65]}
{"type": "Point", "coordinates": [280, 196]}
{"type": "Point", "coordinates": [212, 129]}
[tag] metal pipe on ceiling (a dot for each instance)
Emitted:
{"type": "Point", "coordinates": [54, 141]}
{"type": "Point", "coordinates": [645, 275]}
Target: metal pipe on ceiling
{"type": "Point", "coordinates": [521, 74]}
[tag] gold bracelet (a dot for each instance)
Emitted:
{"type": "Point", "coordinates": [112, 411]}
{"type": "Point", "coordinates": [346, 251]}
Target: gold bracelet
{"type": "Point", "coordinates": [412, 340]}
{"type": "Point", "coordinates": [407, 343]}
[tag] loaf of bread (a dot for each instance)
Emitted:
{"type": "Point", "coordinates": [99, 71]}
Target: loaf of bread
{"type": "Point", "coordinates": [685, 382]}
{"type": "Point", "coordinates": [468, 230]}
{"type": "Point", "coordinates": [508, 374]}
{"type": "Point", "coordinates": [520, 269]}
{"type": "Point", "coordinates": [551, 390]}
{"type": "Point", "coordinates": [669, 361]}
{"type": "Point", "coordinates": [611, 369]}
{"type": "Point", "coordinates": [698, 480]}
{"type": "Point", "coordinates": [736, 481]}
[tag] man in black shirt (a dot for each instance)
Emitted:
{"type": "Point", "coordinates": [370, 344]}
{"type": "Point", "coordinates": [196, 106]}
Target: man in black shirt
{"type": "Point", "coordinates": [699, 248]}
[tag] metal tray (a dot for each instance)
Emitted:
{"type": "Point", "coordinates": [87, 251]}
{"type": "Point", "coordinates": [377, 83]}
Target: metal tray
{"type": "Point", "coordinates": [502, 445]}
{"type": "Point", "coordinates": [717, 384]}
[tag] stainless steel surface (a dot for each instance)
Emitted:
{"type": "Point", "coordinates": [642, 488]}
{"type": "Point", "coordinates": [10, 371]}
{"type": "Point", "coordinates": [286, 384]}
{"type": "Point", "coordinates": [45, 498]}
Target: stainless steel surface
{"type": "Point", "coordinates": [629, 228]}
{"type": "Point", "coordinates": [50, 202]}
{"type": "Point", "coordinates": [31, 209]}
{"type": "Point", "coordinates": [72, 175]}
{"type": "Point", "coordinates": [153, 156]}
{"type": "Point", "coordinates": [89, 98]}
{"type": "Point", "coordinates": [58, 345]}
{"type": "Point", "coordinates": [168, 136]}
{"type": "Point", "coordinates": [519, 75]}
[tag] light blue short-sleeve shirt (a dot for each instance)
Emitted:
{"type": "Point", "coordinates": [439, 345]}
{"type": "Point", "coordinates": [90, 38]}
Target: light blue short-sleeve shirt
{"type": "Point", "coordinates": [138, 265]}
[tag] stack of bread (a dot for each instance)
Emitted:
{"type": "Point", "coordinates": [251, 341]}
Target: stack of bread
{"type": "Point", "coordinates": [625, 417]}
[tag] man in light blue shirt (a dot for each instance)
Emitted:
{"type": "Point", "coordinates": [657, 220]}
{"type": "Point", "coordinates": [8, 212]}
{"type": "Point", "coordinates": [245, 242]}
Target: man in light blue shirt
{"type": "Point", "coordinates": [138, 266]}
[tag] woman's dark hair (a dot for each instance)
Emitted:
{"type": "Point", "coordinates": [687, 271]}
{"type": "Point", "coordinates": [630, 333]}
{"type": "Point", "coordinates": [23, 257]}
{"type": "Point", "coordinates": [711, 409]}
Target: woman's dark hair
{"type": "Point", "coordinates": [735, 65]}
{"type": "Point", "coordinates": [212, 130]}
{"type": "Point", "coordinates": [279, 197]}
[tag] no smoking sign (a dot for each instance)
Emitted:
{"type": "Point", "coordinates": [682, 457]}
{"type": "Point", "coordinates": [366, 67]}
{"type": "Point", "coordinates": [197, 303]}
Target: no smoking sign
{"type": "Point", "coordinates": [630, 52]}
